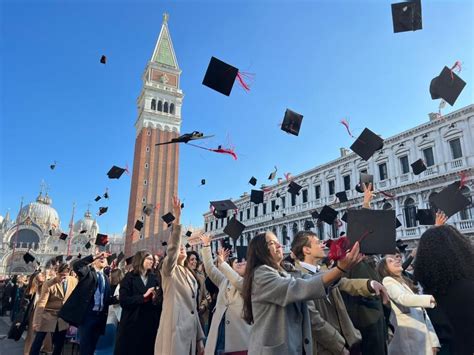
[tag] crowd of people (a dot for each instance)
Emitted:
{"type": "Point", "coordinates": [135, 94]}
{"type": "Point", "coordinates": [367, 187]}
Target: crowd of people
{"type": "Point", "coordinates": [266, 303]}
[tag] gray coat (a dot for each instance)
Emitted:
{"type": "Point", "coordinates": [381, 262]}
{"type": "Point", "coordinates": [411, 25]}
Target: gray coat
{"type": "Point", "coordinates": [281, 319]}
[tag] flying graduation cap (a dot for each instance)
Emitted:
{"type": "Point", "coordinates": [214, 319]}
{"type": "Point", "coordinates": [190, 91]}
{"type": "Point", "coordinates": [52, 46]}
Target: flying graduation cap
{"type": "Point", "coordinates": [308, 225]}
{"type": "Point", "coordinates": [294, 188]}
{"type": "Point", "coordinates": [253, 181]}
{"type": "Point", "coordinates": [327, 214]}
{"type": "Point", "coordinates": [221, 207]}
{"type": "Point", "coordinates": [234, 228]}
{"type": "Point", "coordinates": [101, 240]}
{"type": "Point", "coordinates": [103, 59]}
{"type": "Point", "coordinates": [272, 175]}
{"type": "Point", "coordinates": [448, 85]}
{"type": "Point", "coordinates": [406, 16]}
{"type": "Point", "coordinates": [292, 122]}
{"type": "Point", "coordinates": [221, 76]}
{"type": "Point", "coordinates": [102, 210]}
{"type": "Point", "coordinates": [342, 196]}
{"type": "Point", "coordinates": [138, 225]}
{"type": "Point", "coordinates": [115, 172]}
{"type": "Point", "coordinates": [185, 138]}
{"type": "Point", "coordinates": [425, 216]}
{"type": "Point", "coordinates": [450, 200]}
{"type": "Point", "coordinates": [28, 258]}
{"type": "Point", "coordinates": [97, 198]}
{"type": "Point", "coordinates": [168, 218]}
{"type": "Point", "coordinates": [53, 166]}
{"type": "Point", "coordinates": [418, 166]}
{"type": "Point", "coordinates": [203, 182]}
{"type": "Point", "coordinates": [367, 144]}
{"type": "Point", "coordinates": [256, 196]}
{"type": "Point", "coordinates": [63, 236]}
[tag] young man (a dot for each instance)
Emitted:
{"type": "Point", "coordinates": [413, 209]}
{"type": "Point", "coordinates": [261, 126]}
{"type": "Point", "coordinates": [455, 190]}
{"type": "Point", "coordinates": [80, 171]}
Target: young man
{"type": "Point", "coordinates": [87, 307]}
{"type": "Point", "coordinates": [331, 326]}
{"type": "Point", "coordinates": [54, 294]}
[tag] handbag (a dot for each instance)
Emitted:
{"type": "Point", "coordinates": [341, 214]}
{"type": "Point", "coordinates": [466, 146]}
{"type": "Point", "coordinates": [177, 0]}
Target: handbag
{"type": "Point", "coordinates": [16, 330]}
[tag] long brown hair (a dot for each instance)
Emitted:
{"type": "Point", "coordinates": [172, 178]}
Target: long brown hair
{"type": "Point", "coordinates": [258, 254]}
{"type": "Point", "coordinates": [383, 271]}
{"type": "Point", "coordinates": [138, 259]}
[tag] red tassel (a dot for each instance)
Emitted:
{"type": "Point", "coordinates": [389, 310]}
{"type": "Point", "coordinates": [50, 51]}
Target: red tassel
{"type": "Point", "coordinates": [338, 249]}
{"type": "Point", "coordinates": [457, 67]}
{"type": "Point", "coordinates": [386, 194]}
{"type": "Point", "coordinates": [229, 151]}
{"type": "Point", "coordinates": [242, 82]}
{"type": "Point", "coordinates": [463, 180]}
{"type": "Point", "coordinates": [346, 124]}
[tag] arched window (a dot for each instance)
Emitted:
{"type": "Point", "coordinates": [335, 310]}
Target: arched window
{"type": "Point", "coordinates": [284, 234]}
{"type": "Point", "coordinates": [387, 206]}
{"type": "Point", "coordinates": [153, 104]}
{"type": "Point", "coordinates": [165, 107]}
{"type": "Point", "coordinates": [172, 109]}
{"type": "Point", "coordinates": [160, 106]}
{"type": "Point", "coordinates": [467, 212]}
{"type": "Point", "coordinates": [410, 213]}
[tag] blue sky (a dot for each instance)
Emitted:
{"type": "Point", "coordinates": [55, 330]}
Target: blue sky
{"type": "Point", "coordinates": [324, 59]}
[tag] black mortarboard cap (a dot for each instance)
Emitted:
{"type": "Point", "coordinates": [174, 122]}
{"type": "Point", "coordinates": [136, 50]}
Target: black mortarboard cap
{"type": "Point", "coordinates": [342, 196]}
{"type": "Point", "coordinates": [83, 231]}
{"type": "Point", "coordinates": [256, 196]}
{"type": "Point", "coordinates": [315, 214]}
{"type": "Point", "coordinates": [221, 208]}
{"type": "Point", "coordinates": [189, 233]}
{"type": "Point", "coordinates": [308, 225]}
{"type": "Point", "coordinates": [88, 245]}
{"type": "Point", "coordinates": [51, 232]}
{"type": "Point", "coordinates": [418, 167]}
{"type": "Point", "coordinates": [278, 195]}
{"type": "Point", "coordinates": [106, 194]}
{"type": "Point", "coordinates": [220, 76]}
{"type": "Point", "coordinates": [447, 86]}
{"type": "Point", "coordinates": [129, 260]}
{"type": "Point", "coordinates": [272, 174]}
{"type": "Point", "coordinates": [327, 214]}
{"type": "Point", "coordinates": [79, 255]}
{"type": "Point", "coordinates": [148, 209]}
{"type": "Point", "coordinates": [182, 205]}
{"type": "Point", "coordinates": [292, 122]}
{"type": "Point", "coordinates": [28, 258]}
{"type": "Point", "coordinates": [120, 257]}
{"type": "Point", "coordinates": [406, 16]}
{"type": "Point", "coordinates": [375, 229]}
{"type": "Point", "coordinates": [164, 243]}
{"type": "Point", "coordinates": [69, 257]}
{"type": "Point", "coordinates": [241, 252]}
{"type": "Point", "coordinates": [138, 225]}
{"type": "Point", "coordinates": [450, 200]}
{"type": "Point", "coordinates": [400, 246]}
{"type": "Point", "coordinates": [294, 188]}
{"type": "Point", "coordinates": [103, 59]}
{"type": "Point", "coordinates": [101, 240]}
{"type": "Point", "coordinates": [102, 210]}
{"type": "Point", "coordinates": [115, 172]}
{"type": "Point", "coordinates": [97, 198]}
{"type": "Point", "coordinates": [364, 179]}
{"type": "Point", "coordinates": [234, 228]}
{"type": "Point", "coordinates": [187, 245]}
{"type": "Point", "coordinates": [63, 236]}
{"type": "Point", "coordinates": [203, 181]}
{"type": "Point", "coordinates": [425, 216]}
{"type": "Point", "coordinates": [253, 181]}
{"type": "Point", "coordinates": [168, 218]}
{"type": "Point", "coordinates": [367, 144]}
{"type": "Point", "coordinates": [111, 258]}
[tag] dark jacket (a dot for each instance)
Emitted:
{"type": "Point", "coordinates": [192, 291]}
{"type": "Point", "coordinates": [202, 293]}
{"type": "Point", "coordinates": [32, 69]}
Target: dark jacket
{"type": "Point", "coordinates": [81, 300]}
{"type": "Point", "coordinates": [139, 321]}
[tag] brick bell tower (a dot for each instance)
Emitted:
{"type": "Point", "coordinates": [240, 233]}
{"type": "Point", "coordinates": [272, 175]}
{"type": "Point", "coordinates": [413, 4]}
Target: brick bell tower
{"type": "Point", "coordinates": [155, 168]}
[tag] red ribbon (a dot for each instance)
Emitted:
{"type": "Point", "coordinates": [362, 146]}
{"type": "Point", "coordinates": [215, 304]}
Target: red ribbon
{"type": "Point", "coordinates": [457, 67]}
{"type": "Point", "coordinates": [463, 180]}
{"type": "Point", "coordinates": [346, 124]}
{"type": "Point", "coordinates": [338, 249]}
{"type": "Point", "coordinates": [219, 149]}
{"type": "Point", "coordinates": [242, 82]}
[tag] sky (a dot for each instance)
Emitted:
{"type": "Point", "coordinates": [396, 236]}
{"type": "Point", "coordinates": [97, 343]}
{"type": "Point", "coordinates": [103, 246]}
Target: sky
{"type": "Point", "coordinates": [325, 59]}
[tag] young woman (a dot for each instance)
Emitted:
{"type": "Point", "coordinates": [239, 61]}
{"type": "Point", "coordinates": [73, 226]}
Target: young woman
{"type": "Point", "coordinates": [180, 331]}
{"type": "Point", "coordinates": [414, 333]}
{"type": "Point", "coordinates": [193, 263]}
{"type": "Point", "coordinates": [274, 301]}
{"type": "Point", "coordinates": [115, 310]}
{"type": "Point", "coordinates": [228, 332]}
{"type": "Point", "coordinates": [444, 267]}
{"type": "Point", "coordinates": [139, 321]}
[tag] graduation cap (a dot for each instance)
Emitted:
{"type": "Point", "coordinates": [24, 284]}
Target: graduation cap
{"type": "Point", "coordinates": [397, 223]}
{"type": "Point", "coordinates": [256, 196]}
{"type": "Point", "coordinates": [187, 246]}
{"type": "Point", "coordinates": [272, 175]}
{"type": "Point", "coordinates": [374, 229]}
{"type": "Point", "coordinates": [182, 205]}
{"type": "Point", "coordinates": [111, 258]}
{"type": "Point", "coordinates": [52, 166]}
{"type": "Point", "coordinates": [129, 260]}
{"type": "Point", "coordinates": [367, 144]}
{"type": "Point", "coordinates": [406, 16]}
{"type": "Point", "coordinates": [185, 138]}
{"type": "Point", "coordinates": [120, 257]}
{"type": "Point", "coordinates": [203, 181]}
{"type": "Point", "coordinates": [220, 76]}
{"type": "Point", "coordinates": [400, 246]}
{"type": "Point", "coordinates": [364, 179]}
{"type": "Point", "coordinates": [164, 243]}
{"type": "Point", "coordinates": [327, 214]}
{"type": "Point", "coordinates": [103, 59]}
{"type": "Point", "coordinates": [97, 198]}
{"type": "Point", "coordinates": [234, 228]}
{"type": "Point", "coordinates": [294, 188]}
{"type": "Point", "coordinates": [102, 210]}
{"type": "Point", "coordinates": [342, 196]}
{"type": "Point", "coordinates": [83, 231]}
{"type": "Point", "coordinates": [59, 258]}
{"type": "Point", "coordinates": [88, 245]}
{"type": "Point", "coordinates": [28, 258]}
{"type": "Point", "coordinates": [106, 194]}
{"type": "Point", "coordinates": [292, 122]}
{"type": "Point", "coordinates": [50, 232]}
{"type": "Point", "coordinates": [450, 200]}
{"type": "Point", "coordinates": [315, 214]}
{"type": "Point", "coordinates": [253, 181]}
{"type": "Point", "coordinates": [168, 218]}
{"type": "Point", "coordinates": [221, 207]}
{"type": "Point", "coordinates": [138, 225]}
{"type": "Point", "coordinates": [425, 216]}
{"type": "Point", "coordinates": [148, 209]}
{"type": "Point", "coordinates": [79, 255]}
{"type": "Point", "coordinates": [308, 225]}
{"type": "Point", "coordinates": [189, 233]}
{"type": "Point", "coordinates": [418, 166]}
{"type": "Point", "coordinates": [101, 239]}
{"type": "Point", "coordinates": [69, 257]}
{"type": "Point", "coordinates": [115, 172]}
{"type": "Point", "coordinates": [447, 86]}
{"type": "Point", "coordinates": [63, 236]}
{"type": "Point", "coordinates": [241, 252]}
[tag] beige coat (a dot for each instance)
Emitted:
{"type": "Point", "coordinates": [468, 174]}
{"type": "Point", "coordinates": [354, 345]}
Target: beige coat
{"type": "Point", "coordinates": [230, 303]}
{"type": "Point", "coordinates": [180, 328]}
{"type": "Point", "coordinates": [414, 333]}
{"type": "Point", "coordinates": [49, 304]}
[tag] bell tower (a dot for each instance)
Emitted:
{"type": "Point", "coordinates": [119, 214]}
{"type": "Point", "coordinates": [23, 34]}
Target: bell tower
{"type": "Point", "coordinates": [155, 168]}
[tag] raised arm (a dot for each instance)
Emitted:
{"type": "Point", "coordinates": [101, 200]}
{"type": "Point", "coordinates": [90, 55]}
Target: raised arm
{"type": "Point", "coordinates": [174, 242]}
{"type": "Point", "coordinates": [234, 278]}
{"type": "Point", "coordinates": [403, 297]}
{"type": "Point", "coordinates": [214, 274]}
{"type": "Point", "coordinates": [81, 266]}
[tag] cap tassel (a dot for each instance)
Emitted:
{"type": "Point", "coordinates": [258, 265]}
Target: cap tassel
{"type": "Point", "coordinates": [219, 149]}
{"type": "Point", "coordinates": [346, 124]}
{"type": "Point", "coordinates": [463, 180]}
{"type": "Point", "coordinates": [386, 194]}
{"type": "Point", "coordinates": [243, 75]}
{"type": "Point", "coordinates": [457, 67]}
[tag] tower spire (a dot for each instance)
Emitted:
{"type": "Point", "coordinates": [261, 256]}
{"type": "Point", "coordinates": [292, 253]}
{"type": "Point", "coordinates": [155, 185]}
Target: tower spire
{"type": "Point", "coordinates": [164, 51]}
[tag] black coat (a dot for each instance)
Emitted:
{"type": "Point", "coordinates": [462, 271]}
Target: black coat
{"type": "Point", "coordinates": [81, 300]}
{"type": "Point", "coordinates": [139, 321]}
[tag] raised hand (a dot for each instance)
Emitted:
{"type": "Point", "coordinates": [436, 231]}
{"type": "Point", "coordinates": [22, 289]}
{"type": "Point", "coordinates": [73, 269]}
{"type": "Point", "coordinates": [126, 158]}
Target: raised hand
{"type": "Point", "coordinates": [206, 240]}
{"type": "Point", "coordinates": [352, 258]}
{"type": "Point", "coordinates": [368, 195]}
{"type": "Point", "coordinates": [223, 255]}
{"type": "Point", "coordinates": [176, 209]}
{"type": "Point", "coordinates": [441, 218]}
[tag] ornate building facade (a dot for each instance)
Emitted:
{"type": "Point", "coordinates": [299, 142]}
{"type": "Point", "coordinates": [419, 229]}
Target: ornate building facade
{"type": "Point", "coordinates": [155, 168]}
{"type": "Point", "coordinates": [36, 230]}
{"type": "Point", "coordinates": [447, 146]}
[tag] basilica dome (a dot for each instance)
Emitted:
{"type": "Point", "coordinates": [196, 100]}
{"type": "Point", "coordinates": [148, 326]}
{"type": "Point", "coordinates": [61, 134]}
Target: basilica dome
{"type": "Point", "coordinates": [41, 213]}
{"type": "Point", "coordinates": [86, 224]}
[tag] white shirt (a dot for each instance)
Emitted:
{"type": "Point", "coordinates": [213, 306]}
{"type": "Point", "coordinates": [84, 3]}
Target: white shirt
{"type": "Point", "coordinates": [313, 268]}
